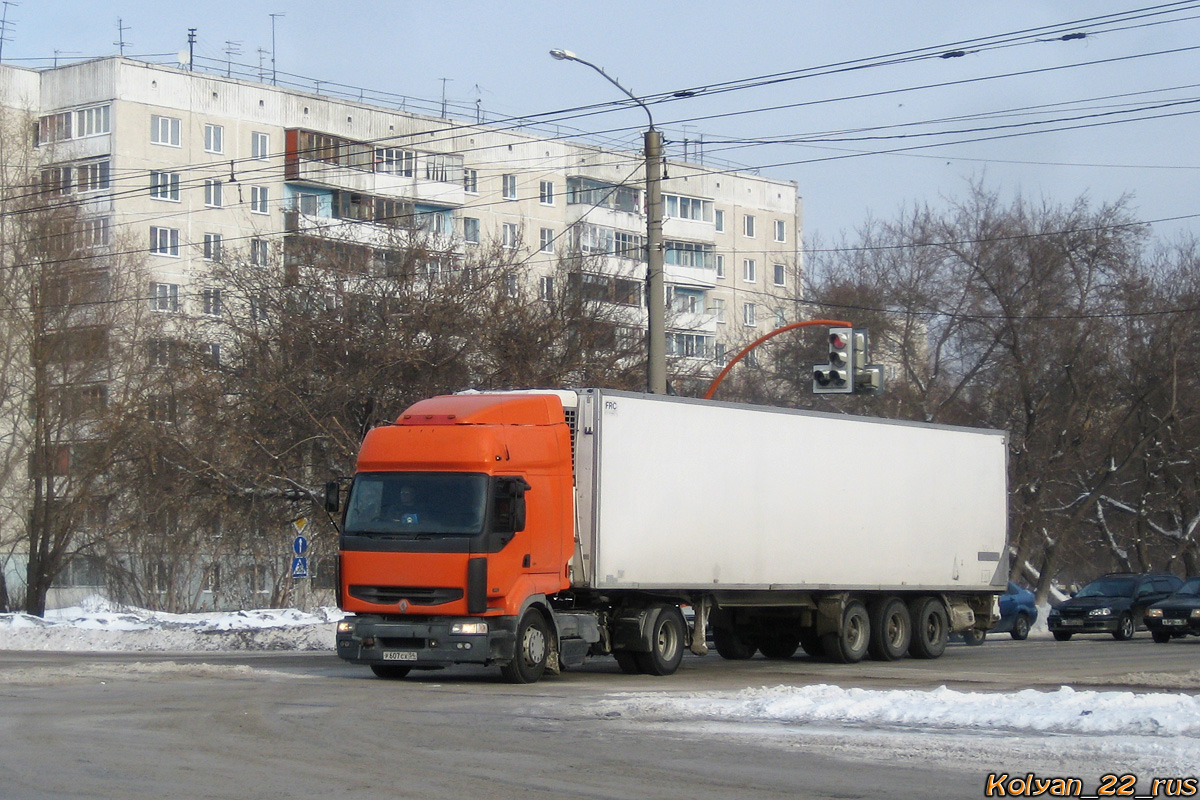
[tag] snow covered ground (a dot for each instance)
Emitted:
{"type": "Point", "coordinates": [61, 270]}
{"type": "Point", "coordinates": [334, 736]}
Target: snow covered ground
{"type": "Point", "coordinates": [1151, 730]}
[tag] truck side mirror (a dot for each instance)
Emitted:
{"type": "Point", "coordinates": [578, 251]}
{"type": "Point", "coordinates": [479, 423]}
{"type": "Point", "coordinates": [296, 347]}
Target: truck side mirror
{"type": "Point", "coordinates": [508, 514]}
{"type": "Point", "coordinates": [332, 499]}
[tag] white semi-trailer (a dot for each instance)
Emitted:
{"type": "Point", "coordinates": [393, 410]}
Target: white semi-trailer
{"type": "Point", "coordinates": [534, 529]}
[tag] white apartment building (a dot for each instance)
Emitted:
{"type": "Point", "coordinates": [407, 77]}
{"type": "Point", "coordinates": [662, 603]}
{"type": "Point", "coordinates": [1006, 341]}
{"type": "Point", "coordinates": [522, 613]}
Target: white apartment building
{"type": "Point", "coordinates": [192, 164]}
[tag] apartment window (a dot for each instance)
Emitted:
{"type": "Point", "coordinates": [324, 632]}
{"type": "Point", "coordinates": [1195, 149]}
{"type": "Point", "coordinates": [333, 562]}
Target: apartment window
{"type": "Point", "coordinates": [679, 207]}
{"type": "Point", "coordinates": [510, 235]}
{"type": "Point", "coordinates": [210, 300]}
{"type": "Point", "coordinates": [164, 296]}
{"type": "Point", "coordinates": [719, 220]}
{"type": "Point", "coordinates": [57, 180]}
{"type": "Point", "coordinates": [547, 245]}
{"type": "Point", "coordinates": [512, 286]}
{"type": "Point", "coordinates": [212, 194]}
{"type": "Point", "coordinates": [163, 352]}
{"type": "Point", "coordinates": [720, 266]}
{"type": "Point", "coordinates": [164, 130]}
{"type": "Point", "coordinates": [258, 251]}
{"type": "Point", "coordinates": [394, 161]}
{"type": "Point", "coordinates": [780, 276]}
{"type": "Point", "coordinates": [509, 186]}
{"type": "Point", "coordinates": [212, 246]}
{"type": "Point", "coordinates": [162, 408]}
{"type": "Point", "coordinates": [307, 203]}
{"type": "Point", "coordinates": [214, 139]}
{"type": "Point", "coordinates": [546, 288]}
{"type": "Point", "coordinates": [545, 193]}
{"type": "Point", "coordinates": [780, 318]}
{"type": "Point", "coordinates": [164, 186]}
{"type": "Point", "coordinates": [718, 309]}
{"type": "Point", "coordinates": [471, 181]}
{"type": "Point", "coordinates": [748, 226]}
{"type": "Point", "coordinates": [780, 231]}
{"type": "Point", "coordinates": [92, 176]}
{"type": "Point", "coordinates": [748, 314]}
{"type": "Point", "coordinates": [443, 168]}
{"type": "Point", "coordinates": [749, 271]}
{"type": "Point", "coordinates": [212, 353]}
{"type": "Point", "coordinates": [92, 121]}
{"type": "Point", "coordinates": [258, 199]}
{"type": "Point", "coordinates": [471, 230]}
{"type": "Point", "coordinates": [260, 145]}
{"type": "Point", "coordinates": [164, 241]}
{"type": "Point", "coordinates": [94, 231]}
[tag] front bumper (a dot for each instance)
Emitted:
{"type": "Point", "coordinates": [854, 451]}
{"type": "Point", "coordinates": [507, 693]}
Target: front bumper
{"type": "Point", "coordinates": [424, 642]}
{"type": "Point", "coordinates": [1173, 625]}
{"type": "Point", "coordinates": [1083, 624]}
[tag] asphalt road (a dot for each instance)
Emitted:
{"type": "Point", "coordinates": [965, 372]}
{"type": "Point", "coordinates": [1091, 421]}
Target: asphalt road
{"type": "Point", "coordinates": [306, 725]}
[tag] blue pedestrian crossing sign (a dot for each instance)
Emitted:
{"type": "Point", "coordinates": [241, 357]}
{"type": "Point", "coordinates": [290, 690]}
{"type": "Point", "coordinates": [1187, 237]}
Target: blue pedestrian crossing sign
{"type": "Point", "coordinates": [299, 567]}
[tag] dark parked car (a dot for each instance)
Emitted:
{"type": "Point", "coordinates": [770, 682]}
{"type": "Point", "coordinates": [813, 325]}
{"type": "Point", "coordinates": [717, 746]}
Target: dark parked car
{"type": "Point", "coordinates": [1115, 603]}
{"type": "Point", "coordinates": [1176, 616]}
{"type": "Point", "coordinates": [1017, 615]}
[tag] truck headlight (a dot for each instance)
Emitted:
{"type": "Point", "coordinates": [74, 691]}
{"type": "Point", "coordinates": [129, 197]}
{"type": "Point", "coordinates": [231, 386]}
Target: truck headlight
{"type": "Point", "coordinates": [1154, 613]}
{"type": "Point", "coordinates": [346, 626]}
{"type": "Point", "coordinates": [468, 628]}
{"type": "Point", "coordinates": [1100, 612]}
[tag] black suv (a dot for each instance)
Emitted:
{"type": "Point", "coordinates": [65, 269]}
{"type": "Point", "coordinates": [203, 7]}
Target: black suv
{"type": "Point", "coordinates": [1112, 604]}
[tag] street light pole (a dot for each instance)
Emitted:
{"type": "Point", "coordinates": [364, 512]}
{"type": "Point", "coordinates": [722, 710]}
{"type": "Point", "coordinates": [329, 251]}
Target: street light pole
{"type": "Point", "coordinates": [656, 339]}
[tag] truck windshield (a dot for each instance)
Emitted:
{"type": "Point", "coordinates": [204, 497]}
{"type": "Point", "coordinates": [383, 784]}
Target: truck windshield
{"type": "Point", "coordinates": [417, 502]}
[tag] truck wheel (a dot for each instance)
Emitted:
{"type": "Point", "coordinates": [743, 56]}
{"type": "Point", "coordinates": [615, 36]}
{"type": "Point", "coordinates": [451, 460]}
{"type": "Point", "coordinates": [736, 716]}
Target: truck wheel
{"type": "Point", "coordinates": [1062, 636]}
{"type": "Point", "coordinates": [1020, 628]}
{"type": "Point", "coordinates": [1125, 628]}
{"type": "Point", "coordinates": [729, 643]}
{"type": "Point", "coordinates": [531, 652]}
{"type": "Point", "coordinates": [811, 643]}
{"type": "Point", "coordinates": [390, 671]}
{"type": "Point", "coordinates": [666, 643]}
{"type": "Point", "coordinates": [930, 628]}
{"type": "Point", "coordinates": [891, 629]}
{"type": "Point", "coordinates": [627, 662]}
{"type": "Point", "coordinates": [849, 644]}
{"type": "Point", "coordinates": [779, 645]}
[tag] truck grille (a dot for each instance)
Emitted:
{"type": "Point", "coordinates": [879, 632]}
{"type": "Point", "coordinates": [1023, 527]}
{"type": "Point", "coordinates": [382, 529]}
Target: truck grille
{"type": "Point", "coordinates": [417, 595]}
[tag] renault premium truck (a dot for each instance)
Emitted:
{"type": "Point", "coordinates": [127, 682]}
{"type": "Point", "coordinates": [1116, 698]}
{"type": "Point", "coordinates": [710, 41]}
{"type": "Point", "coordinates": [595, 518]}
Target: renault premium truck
{"type": "Point", "coordinates": [533, 530]}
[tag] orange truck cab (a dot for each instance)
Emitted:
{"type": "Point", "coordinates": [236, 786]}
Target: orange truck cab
{"type": "Point", "coordinates": [459, 519]}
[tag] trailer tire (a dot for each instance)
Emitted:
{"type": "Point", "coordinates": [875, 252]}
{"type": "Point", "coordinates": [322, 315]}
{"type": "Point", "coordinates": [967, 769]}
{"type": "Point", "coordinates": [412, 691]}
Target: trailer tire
{"type": "Point", "coordinates": [391, 672]}
{"type": "Point", "coordinates": [931, 629]}
{"type": "Point", "coordinates": [531, 651]}
{"type": "Point", "coordinates": [891, 629]}
{"type": "Point", "coordinates": [849, 643]}
{"type": "Point", "coordinates": [628, 662]}
{"type": "Point", "coordinates": [730, 644]}
{"type": "Point", "coordinates": [779, 646]}
{"type": "Point", "coordinates": [810, 642]}
{"type": "Point", "coordinates": [668, 636]}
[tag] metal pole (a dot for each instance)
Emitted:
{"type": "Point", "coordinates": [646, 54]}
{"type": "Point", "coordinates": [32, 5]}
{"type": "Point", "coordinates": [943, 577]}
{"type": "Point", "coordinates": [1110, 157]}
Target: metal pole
{"type": "Point", "coordinates": [656, 302]}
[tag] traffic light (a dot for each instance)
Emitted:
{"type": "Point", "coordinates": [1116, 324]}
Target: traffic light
{"type": "Point", "coordinates": [836, 376]}
{"type": "Point", "coordinates": [847, 371]}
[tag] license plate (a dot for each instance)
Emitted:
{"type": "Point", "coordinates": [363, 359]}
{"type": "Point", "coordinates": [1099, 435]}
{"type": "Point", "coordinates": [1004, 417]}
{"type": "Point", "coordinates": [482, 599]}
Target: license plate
{"type": "Point", "coordinates": [1178, 622]}
{"type": "Point", "coordinates": [1068, 623]}
{"type": "Point", "coordinates": [400, 655]}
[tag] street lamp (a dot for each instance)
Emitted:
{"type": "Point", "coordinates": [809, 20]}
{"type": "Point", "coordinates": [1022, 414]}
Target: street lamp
{"type": "Point", "coordinates": [656, 339]}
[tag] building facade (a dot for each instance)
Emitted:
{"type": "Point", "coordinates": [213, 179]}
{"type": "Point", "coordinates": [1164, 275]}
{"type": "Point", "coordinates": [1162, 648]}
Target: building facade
{"type": "Point", "coordinates": [190, 166]}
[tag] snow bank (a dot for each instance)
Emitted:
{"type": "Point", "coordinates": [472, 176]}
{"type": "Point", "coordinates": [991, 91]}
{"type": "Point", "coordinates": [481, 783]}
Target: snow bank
{"type": "Point", "coordinates": [1064, 711]}
{"type": "Point", "coordinates": [98, 625]}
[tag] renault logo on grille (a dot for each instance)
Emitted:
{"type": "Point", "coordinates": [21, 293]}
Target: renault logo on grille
{"type": "Point", "coordinates": [403, 606]}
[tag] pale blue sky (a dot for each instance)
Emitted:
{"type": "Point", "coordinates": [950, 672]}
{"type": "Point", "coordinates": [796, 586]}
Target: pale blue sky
{"type": "Point", "coordinates": [497, 53]}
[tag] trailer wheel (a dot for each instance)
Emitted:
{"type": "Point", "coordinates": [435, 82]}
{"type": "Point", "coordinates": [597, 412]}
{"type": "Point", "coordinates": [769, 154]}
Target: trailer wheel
{"type": "Point", "coordinates": [891, 629]}
{"type": "Point", "coordinates": [729, 643]}
{"type": "Point", "coordinates": [666, 643]}
{"type": "Point", "coordinates": [531, 652]}
{"type": "Point", "coordinates": [849, 644]}
{"type": "Point", "coordinates": [779, 645]}
{"type": "Point", "coordinates": [931, 630]}
{"type": "Point", "coordinates": [811, 643]}
{"type": "Point", "coordinates": [390, 672]}
{"type": "Point", "coordinates": [627, 662]}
